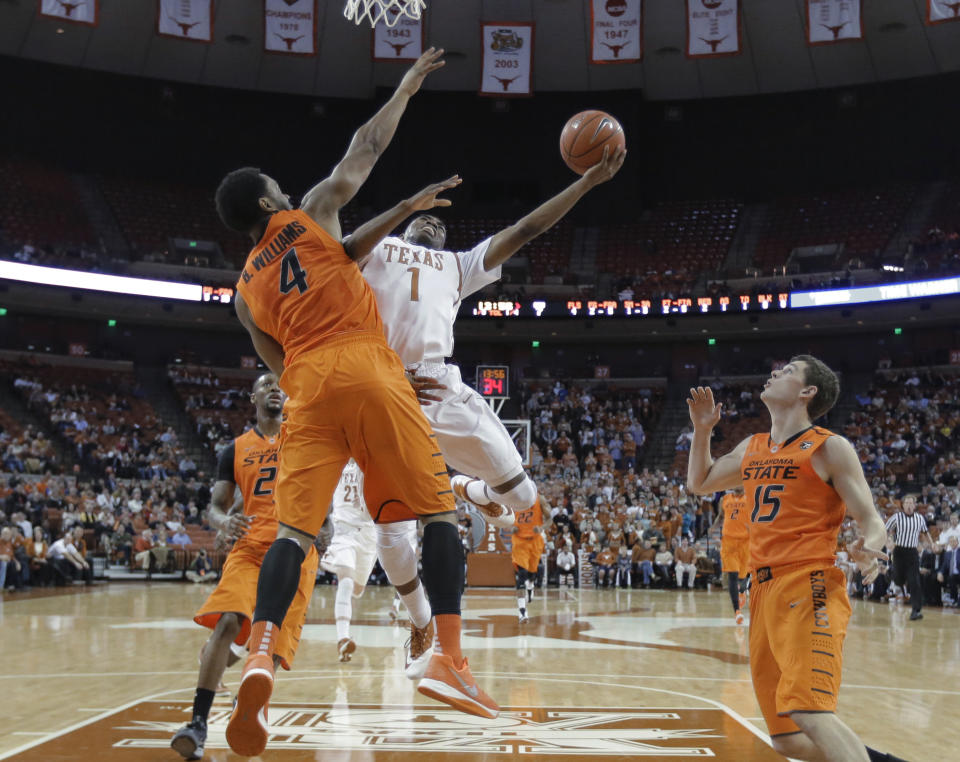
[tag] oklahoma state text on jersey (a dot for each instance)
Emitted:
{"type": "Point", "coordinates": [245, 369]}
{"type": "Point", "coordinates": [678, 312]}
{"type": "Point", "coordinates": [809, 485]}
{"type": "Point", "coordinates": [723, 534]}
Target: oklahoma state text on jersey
{"type": "Point", "coordinates": [735, 517]}
{"type": "Point", "coordinates": [794, 515]}
{"type": "Point", "coordinates": [256, 460]}
{"type": "Point", "coordinates": [527, 520]}
{"type": "Point", "coordinates": [302, 288]}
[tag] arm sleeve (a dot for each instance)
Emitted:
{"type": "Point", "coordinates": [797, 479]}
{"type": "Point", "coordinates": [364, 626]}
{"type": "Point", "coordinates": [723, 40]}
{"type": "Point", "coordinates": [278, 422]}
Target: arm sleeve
{"type": "Point", "coordinates": [471, 265]}
{"type": "Point", "coordinates": [225, 464]}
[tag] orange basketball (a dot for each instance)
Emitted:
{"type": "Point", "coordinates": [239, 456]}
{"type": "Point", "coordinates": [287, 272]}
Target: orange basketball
{"type": "Point", "coordinates": [584, 137]}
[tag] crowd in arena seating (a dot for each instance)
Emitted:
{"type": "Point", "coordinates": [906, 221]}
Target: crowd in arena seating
{"type": "Point", "coordinates": [219, 403]}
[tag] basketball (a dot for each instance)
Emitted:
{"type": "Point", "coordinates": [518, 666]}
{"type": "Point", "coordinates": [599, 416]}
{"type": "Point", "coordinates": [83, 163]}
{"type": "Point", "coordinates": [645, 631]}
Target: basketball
{"type": "Point", "coordinates": [584, 137]}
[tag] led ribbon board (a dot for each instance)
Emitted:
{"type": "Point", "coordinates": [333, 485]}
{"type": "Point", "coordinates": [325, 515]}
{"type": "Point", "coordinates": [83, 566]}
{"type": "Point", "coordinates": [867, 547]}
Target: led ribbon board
{"type": "Point", "coordinates": [113, 284]}
{"type": "Point", "coordinates": [879, 293]}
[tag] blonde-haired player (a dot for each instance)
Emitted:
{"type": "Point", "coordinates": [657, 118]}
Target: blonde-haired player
{"type": "Point", "coordinates": [419, 287]}
{"type": "Point", "coordinates": [357, 543]}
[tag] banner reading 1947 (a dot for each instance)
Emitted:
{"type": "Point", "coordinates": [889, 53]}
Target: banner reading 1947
{"type": "Point", "coordinates": [617, 31]}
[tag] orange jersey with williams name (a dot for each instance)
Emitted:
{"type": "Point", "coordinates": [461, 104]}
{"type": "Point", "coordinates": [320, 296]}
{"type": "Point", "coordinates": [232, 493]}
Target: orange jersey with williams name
{"type": "Point", "coordinates": [794, 515]}
{"type": "Point", "coordinates": [527, 520]}
{"type": "Point", "coordinates": [302, 288]}
{"type": "Point", "coordinates": [253, 466]}
{"type": "Point", "coordinates": [735, 517]}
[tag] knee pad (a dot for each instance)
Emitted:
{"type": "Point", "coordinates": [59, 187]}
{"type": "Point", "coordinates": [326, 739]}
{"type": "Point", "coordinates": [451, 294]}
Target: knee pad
{"type": "Point", "coordinates": [396, 554]}
{"type": "Point", "coordinates": [520, 497]}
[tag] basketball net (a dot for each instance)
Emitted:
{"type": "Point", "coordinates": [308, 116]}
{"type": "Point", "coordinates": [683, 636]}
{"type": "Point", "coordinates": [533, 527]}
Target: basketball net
{"type": "Point", "coordinates": [388, 11]}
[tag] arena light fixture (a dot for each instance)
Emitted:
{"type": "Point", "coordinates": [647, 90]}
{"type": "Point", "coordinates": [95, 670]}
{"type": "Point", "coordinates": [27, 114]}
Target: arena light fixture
{"type": "Point", "coordinates": [113, 284]}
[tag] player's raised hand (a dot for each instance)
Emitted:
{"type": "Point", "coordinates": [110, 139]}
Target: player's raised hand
{"type": "Point", "coordinates": [607, 167]}
{"type": "Point", "coordinates": [866, 559]}
{"type": "Point", "coordinates": [427, 198]}
{"type": "Point", "coordinates": [428, 62]}
{"type": "Point", "coordinates": [704, 413]}
{"type": "Point", "coordinates": [236, 525]}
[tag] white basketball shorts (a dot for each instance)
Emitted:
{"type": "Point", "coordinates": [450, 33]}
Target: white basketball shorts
{"type": "Point", "coordinates": [352, 553]}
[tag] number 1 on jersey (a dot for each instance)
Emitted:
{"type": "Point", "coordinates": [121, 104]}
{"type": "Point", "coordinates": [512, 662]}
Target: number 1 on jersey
{"type": "Point", "coordinates": [291, 274]}
{"type": "Point", "coordinates": [414, 283]}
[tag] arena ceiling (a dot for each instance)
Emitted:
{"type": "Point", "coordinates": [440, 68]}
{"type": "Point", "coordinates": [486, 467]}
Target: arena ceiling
{"type": "Point", "coordinates": [898, 44]}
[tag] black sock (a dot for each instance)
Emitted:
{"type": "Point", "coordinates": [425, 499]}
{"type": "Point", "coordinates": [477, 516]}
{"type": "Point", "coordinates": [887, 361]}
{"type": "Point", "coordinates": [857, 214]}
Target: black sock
{"type": "Point", "coordinates": [279, 579]}
{"type": "Point", "coordinates": [734, 589]}
{"type": "Point", "coordinates": [442, 558]}
{"type": "Point", "coordinates": [202, 701]}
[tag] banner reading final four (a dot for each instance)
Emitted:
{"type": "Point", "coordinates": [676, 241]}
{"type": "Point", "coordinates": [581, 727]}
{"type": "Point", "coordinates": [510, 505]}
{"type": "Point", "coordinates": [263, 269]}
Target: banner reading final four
{"type": "Point", "coordinates": [939, 11]}
{"type": "Point", "coordinates": [77, 11]}
{"type": "Point", "coordinates": [290, 26]}
{"type": "Point", "coordinates": [713, 28]}
{"type": "Point", "coordinates": [186, 19]}
{"type": "Point", "coordinates": [617, 31]}
{"type": "Point", "coordinates": [833, 21]}
{"type": "Point", "coordinates": [401, 42]}
{"type": "Point", "coordinates": [507, 59]}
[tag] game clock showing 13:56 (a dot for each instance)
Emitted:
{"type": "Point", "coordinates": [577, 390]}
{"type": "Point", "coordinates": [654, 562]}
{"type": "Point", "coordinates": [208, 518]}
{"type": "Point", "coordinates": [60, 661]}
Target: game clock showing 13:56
{"type": "Point", "coordinates": [493, 380]}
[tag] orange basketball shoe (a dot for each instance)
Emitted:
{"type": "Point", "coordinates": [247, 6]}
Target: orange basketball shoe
{"type": "Point", "coordinates": [247, 729]}
{"type": "Point", "coordinates": [456, 687]}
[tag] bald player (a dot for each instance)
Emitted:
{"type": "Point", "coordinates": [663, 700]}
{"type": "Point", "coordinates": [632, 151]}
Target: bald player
{"type": "Point", "coordinates": [251, 463]}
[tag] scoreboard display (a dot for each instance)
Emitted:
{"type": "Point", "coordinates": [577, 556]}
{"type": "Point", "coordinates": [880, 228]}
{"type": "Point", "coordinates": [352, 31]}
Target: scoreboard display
{"type": "Point", "coordinates": [493, 380]}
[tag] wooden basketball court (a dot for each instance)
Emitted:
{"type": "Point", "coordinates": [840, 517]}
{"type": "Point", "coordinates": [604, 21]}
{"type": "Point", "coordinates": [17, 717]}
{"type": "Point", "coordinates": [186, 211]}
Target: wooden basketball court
{"type": "Point", "coordinates": [108, 673]}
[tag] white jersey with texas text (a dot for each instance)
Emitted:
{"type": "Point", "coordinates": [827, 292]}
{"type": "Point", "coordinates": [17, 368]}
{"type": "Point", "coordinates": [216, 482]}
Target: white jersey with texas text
{"type": "Point", "coordinates": [349, 507]}
{"type": "Point", "coordinates": [419, 291]}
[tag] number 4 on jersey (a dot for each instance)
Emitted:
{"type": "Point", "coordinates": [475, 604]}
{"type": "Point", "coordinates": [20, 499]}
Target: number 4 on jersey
{"type": "Point", "coordinates": [291, 274]}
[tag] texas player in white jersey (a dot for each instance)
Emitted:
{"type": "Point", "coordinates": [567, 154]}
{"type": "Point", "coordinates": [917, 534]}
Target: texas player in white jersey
{"type": "Point", "coordinates": [356, 545]}
{"type": "Point", "coordinates": [419, 287]}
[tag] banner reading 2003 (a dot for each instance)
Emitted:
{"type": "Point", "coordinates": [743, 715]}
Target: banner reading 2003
{"type": "Point", "coordinates": [507, 59]}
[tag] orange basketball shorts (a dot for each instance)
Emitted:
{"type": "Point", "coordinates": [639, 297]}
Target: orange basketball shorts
{"type": "Point", "coordinates": [237, 592]}
{"type": "Point", "coordinates": [798, 621]}
{"type": "Point", "coordinates": [526, 551]}
{"type": "Point", "coordinates": [349, 397]}
{"type": "Point", "coordinates": [735, 555]}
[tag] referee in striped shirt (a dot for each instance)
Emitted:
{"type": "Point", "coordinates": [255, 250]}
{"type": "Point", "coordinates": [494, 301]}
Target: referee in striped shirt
{"type": "Point", "coordinates": [906, 527]}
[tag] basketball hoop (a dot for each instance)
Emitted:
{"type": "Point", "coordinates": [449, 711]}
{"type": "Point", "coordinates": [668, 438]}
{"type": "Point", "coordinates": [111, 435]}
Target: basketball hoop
{"type": "Point", "coordinates": [388, 11]}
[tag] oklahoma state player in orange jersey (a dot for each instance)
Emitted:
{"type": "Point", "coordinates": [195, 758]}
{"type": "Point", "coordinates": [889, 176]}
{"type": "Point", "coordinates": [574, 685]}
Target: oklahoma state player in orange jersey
{"type": "Point", "coordinates": [798, 480]}
{"type": "Point", "coordinates": [314, 321]}
{"type": "Point", "coordinates": [527, 549]}
{"type": "Point", "coordinates": [250, 462]}
{"type": "Point", "coordinates": [735, 547]}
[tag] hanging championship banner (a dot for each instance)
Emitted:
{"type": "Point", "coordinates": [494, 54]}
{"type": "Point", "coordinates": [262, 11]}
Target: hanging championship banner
{"type": "Point", "coordinates": [833, 21]}
{"type": "Point", "coordinates": [507, 59]}
{"type": "Point", "coordinates": [939, 11]}
{"type": "Point", "coordinates": [713, 28]}
{"type": "Point", "coordinates": [617, 31]}
{"type": "Point", "coordinates": [290, 26]}
{"type": "Point", "coordinates": [402, 42]}
{"type": "Point", "coordinates": [185, 19]}
{"type": "Point", "coordinates": [77, 11]}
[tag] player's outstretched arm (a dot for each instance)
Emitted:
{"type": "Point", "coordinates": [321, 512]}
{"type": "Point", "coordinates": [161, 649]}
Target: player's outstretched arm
{"type": "Point", "coordinates": [508, 241]}
{"type": "Point", "coordinates": [325, 199]}
{"type": "Point", "coordinates": [839, 460]}
{"type": "Point", "coordinates": [363, 240]}
{"type": "Point", "coordinates": [704, 474]}
{"type": "Point", "coordinates": [267, 347]}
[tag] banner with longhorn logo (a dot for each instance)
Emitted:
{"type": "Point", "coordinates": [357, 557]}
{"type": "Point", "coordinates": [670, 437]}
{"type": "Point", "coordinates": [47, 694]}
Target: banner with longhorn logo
{"type": "Point", "coordinates": [290, 26]}
{"type": "Point", "coordinates": [401, 42]}
{"type": "Point", "coordinates": [713, 28]}
{"type": "Point", "coordinates": [77, 11]}
{"type": "Point", "coordinates": [185, 19]}
{"type": "Point", "coordinates": [617, 31]}
{"type": "Point", "coordinates": [831, 21]}
{"type": "Point", "coordinates": [939, 11]}
{"type": "Point", "coordinates": [507, 59]}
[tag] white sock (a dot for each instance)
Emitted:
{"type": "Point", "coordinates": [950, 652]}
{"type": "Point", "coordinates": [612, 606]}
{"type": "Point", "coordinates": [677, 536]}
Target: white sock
{"type": "Point", "coordinates": [343, 607]}
{"type": "Point", "coordinates": [418, 607]}
{"type": "Point", "coordinates": [519, 498]}
{"type": "Point", "coordinates": [477, 492]}
{"type": "Point", "coordinates": [396, 602]}
{"type": "Point", "coordinates": [522, 604]}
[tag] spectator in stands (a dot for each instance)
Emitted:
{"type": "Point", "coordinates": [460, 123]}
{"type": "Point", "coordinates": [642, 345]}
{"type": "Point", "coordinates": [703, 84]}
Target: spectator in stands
{"type": "Point", "coordinates": [643, 559]}
{"type": "Point", "coordinates": [180, 537]}
{"type": "Point", "coordinates": [948, 574]}
{"type": "Point", "coordinates": [200, 569]}
{"type": "Point", "coordinates": [187, 467]}
{"type": "Point", "coordinates": [37, 553]}
{"type": "Point", "coordinates": [624, 565]}
{"type": "Point", "coordinates": [663, 561]}
{"type": "Point", "coordinates": [605, 561]}
{"type": "Point", "coordinates": [952, 531]}
{"type": "Point", "coordinates": [67, 563]}
{"type": "Point", "coordinates": [10, 567]}
{"type": "Point", "coordinates": [142, 547]}
{"type": "Point", "coordinates": [567, 564]}
{"type": "Point", "coordinates": [685, 558]}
